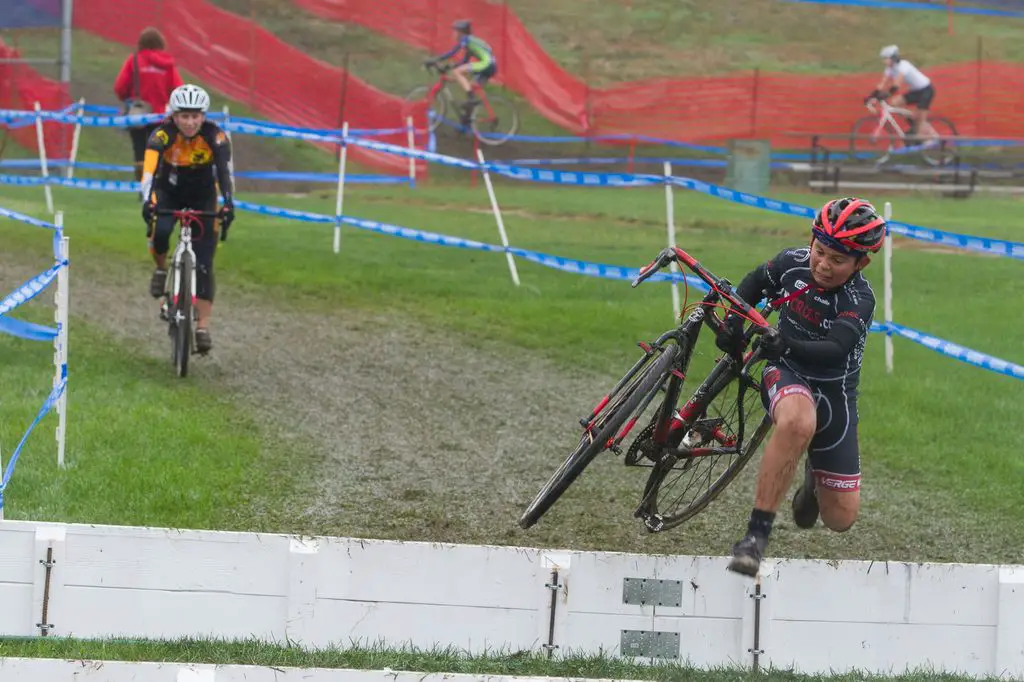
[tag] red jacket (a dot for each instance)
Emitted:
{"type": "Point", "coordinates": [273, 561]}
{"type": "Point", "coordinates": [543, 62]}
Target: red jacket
{"type": "Point", "coordinates": [158, 76]}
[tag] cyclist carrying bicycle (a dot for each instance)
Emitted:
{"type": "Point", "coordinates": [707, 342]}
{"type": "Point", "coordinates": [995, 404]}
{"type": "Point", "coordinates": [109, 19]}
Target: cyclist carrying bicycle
{"type": "Point", "coordinates": [809, 384]}
{"type": "Point", "coordinates": [900, 73]}
{"type": "Point", "coordinates": [478, 60]}
{"type": "Point", "coordinates": [186, 159]}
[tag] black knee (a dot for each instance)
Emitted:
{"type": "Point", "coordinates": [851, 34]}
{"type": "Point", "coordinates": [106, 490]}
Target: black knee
{"type": "Point", "coordinates": [205, 283]}
{"type": "Point", "coordinates": [160, 239]}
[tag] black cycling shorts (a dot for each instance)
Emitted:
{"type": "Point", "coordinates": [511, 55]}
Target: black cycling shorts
{"type": "Point", "coordinates": [834, 451]}
{"type": "Point", "coordinates": [922, 98]}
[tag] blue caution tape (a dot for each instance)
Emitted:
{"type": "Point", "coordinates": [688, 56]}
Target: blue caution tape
{"type": "Point", "coordinates": [26, 330]}
{"type": "Point", "coordinates": [556, 262]}
{"type": "Point", "coordinates": [20, 217]}
{"type": "Point", "coordinates": [890, 4]}
{"type": "Point", "coordinates": [29, 290]}
{"type": "Point", "coordinates": [48, 404]}
{"type": "Point", "coordinates": [958, 352]}
{"type": "Point", "coordinates": [324, 177]}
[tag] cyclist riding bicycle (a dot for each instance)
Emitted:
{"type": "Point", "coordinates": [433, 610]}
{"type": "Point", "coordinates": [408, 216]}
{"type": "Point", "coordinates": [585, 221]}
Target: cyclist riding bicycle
{"type": "Point", "coordinates": [483, 66]}
{"type": "Point", "coordinates": [809, 384]}
{"type": "Point", "coordinates": [900, 73]}
{"type": "Point", "coordinates": [186, 159]}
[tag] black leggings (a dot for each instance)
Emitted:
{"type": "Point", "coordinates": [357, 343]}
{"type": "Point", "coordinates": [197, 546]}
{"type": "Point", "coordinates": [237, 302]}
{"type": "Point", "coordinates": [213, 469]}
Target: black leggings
{"type": "Point", "coordinates": [204, 241]}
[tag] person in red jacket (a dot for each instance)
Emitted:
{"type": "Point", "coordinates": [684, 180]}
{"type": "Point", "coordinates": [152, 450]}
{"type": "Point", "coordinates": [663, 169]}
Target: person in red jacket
{"type": "Point", "coordinates": [157, 79]}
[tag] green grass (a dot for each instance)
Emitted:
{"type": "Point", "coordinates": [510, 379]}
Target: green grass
{"type": "Point", "coordinates": [926, 431]}
{"type": "Point", "coordinates": [434, 661]}
{"type": "Point", "coordinates": [142, 447]}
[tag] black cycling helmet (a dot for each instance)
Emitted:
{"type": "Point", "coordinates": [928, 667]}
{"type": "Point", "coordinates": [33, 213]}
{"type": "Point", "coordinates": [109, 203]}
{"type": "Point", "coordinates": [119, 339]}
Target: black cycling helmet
{"type": "Point", "coordinates": [463, 26]}
{"type": "Point", "coordinates": [849, 225]}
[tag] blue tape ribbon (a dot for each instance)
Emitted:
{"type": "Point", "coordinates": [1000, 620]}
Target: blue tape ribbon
{"type": "Point", "coordinates": [890, 4]}
{"type": "Point", "coordinates": [26, 330]}
{"type": "Point", "coordinates": [20, 217]}
{"type": "Point", "coordinates": [48, 404]}
{"type": "Point", "coordinates": [958, 352]}
{"type": "Point", "coordinates": [29, 290]}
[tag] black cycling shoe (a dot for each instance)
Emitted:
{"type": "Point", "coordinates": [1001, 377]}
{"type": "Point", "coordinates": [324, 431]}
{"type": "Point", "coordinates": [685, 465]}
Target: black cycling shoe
{"type": "Point", "coordinates": [746, 555]}
{"type": "Point", "coordinates": [204, 343]}
{"type": "Point", "coordinates": [158, 283]}
{"type": "Point", "coordinates": [805, 501]}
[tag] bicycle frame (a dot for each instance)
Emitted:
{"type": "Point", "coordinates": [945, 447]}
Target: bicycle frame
{"type": "Point", "coordinates": [685, 336]}
{"type": "Point", "coordinates": [443, 78]}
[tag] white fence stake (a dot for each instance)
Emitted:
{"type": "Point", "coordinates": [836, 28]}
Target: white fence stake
{"type": "Point", "coordinates": [60, 351]}
{"type": "Point", "coordinates": [340, 201]}
{"type": "Point", "coordinates": [43, 168]}
{"type": "Point", "coordinates": [231, 161]}
{"type": "Point", "coordinates": [411, 132]}
{"type": "Point", "coordinates": [74, 141]}
{"type": "Point", "coordinates": [497, 217]}
{"type": "Point", "coordinates": [887, 284]}
{"type": "Point", "coordinates": [670, 213]}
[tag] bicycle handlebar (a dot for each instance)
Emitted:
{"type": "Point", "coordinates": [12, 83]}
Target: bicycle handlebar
{"type": "Point", "coordinates": [717, 284]}
{"type": "Point", "coordinates": [187, 212]}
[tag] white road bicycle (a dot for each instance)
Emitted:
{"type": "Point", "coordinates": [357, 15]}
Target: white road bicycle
{"type": "Point", "coordinates": [885, 134]}
{"type": "Point", "coordinates": [179, 306]}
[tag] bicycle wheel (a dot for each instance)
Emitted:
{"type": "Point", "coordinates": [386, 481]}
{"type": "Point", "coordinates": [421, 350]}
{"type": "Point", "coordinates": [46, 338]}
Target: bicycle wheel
{"type": "Point", "coordinates": [182, 316]}
{"type": "Point", "coordinates": [633, 395]}
{"type": "Point", "coordinates": [495, 120]}
{"type": "Point", "coordinates": [681, 487]}
{"type": "Point", "coordinates": [435, 110]}
{"type": "Point", "coordinates": [941, 154]}
{"type": "Point", "coordinates": [871, 140]}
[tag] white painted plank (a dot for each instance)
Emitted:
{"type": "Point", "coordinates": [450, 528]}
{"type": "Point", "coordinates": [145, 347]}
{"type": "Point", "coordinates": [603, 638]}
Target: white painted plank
{"type": "Point", "coordinates": [703, 641]}
{"type": "Point", "coordinates": [426, 573]}
{"type": "Point", "coordinates": [16, 617]}
{"type": "Point", "coordinates": [958, 594]}
{"type": "Point", "coordinates": [816, 647]}
{"type": "Point", "coordinates": [171, 561]}
{"type": "Point", "coordinates": [102, 612]}
{"type": "Point", "coordinates": [17, 544]}
{"type": "Point", "coordinates": [847, 592]}
{"type": "Point", "coordinates": [596, 583]}
{"type": "Point", "coordinates": [341, 623]}
{"type": "Point", "coordinates": [1009, 658]}
{"type": "Point", "coordinates": [708, 588]}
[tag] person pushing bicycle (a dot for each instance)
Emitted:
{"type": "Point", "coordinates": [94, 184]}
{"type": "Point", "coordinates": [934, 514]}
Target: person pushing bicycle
{"type": "Point", "coordinates": [478, 60]}
{"type": "Point", "coordinates": [901, 73]}
{"type": "Point", "coordinates": [186, 160]}
{"type": "Point", "coordinates": [809, 383]}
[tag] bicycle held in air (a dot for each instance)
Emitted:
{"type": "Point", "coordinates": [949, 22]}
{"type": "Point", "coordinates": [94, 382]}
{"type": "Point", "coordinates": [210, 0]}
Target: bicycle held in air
{"type": "Point", "coordinates": [887, 133]}
{"type": "Point", "coordinates": [693, 449]}
{"type": "Point", "coordinates": [493, 121]}
{"type": "Point", "coordinates": [178, 307]}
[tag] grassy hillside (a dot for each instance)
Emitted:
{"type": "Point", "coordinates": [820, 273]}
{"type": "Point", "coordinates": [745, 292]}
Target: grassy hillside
{"type": "Point", "coordinates": [611, 41]}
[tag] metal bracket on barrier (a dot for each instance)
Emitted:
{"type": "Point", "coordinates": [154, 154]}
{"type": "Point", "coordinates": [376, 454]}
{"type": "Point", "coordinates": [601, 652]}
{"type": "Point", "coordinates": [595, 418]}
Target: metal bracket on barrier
{"type": "Point", "coordinates": [757, 595]}
{"type": "Point", "coordinates": [48, 563]}
{"type": "Point", "coordinates": [652, 592]}
{"type": "Point", "coordinates": [649, 644]}
{"type": "Point", "coordinates": [554, 586]}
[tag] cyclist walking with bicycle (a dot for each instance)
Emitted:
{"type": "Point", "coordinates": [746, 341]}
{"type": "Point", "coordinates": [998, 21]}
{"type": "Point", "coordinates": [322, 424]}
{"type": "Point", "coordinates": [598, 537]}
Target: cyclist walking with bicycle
{"type": "Point", "coordinates": [478, 61]}
{"type": "Point", "coordinates": [900, 73]}
{"type": "Point", "coordinates": [809, 383]}
{"type": "Point", "coordinates": [186, 160]}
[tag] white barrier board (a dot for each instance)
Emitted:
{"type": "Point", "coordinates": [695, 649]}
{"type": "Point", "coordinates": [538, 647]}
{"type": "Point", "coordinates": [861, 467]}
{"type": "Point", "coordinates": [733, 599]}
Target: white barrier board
{"type": "Point", "coordinates": [814, 616]}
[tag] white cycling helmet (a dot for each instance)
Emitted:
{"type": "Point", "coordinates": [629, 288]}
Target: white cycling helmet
{"type": "Point", "coordinates": [189, 98]}
{"type": "Point", "coordinates": [890, 52]}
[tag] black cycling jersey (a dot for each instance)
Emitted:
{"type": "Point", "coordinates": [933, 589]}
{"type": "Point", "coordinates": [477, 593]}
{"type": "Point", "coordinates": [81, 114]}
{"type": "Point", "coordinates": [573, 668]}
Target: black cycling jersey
{"type": "Point", "coordinates": [188, 167]}
{"type": "Point", "coordinates": [825, 330]}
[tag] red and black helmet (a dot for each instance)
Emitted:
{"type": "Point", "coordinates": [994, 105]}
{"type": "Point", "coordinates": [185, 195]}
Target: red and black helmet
{"type": "Point", "coordinates": [849, 225]}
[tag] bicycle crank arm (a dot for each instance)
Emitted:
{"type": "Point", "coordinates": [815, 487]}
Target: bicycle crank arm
{"type": "Point", "coordinates": [690, 453]}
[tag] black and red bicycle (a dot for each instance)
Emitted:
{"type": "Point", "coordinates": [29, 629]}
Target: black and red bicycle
{"type": "Point", "coordinates": [694, 449]}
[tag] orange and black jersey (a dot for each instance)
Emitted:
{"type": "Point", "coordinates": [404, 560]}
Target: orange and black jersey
{"type": "Point", "coordinates": [189, 166]}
